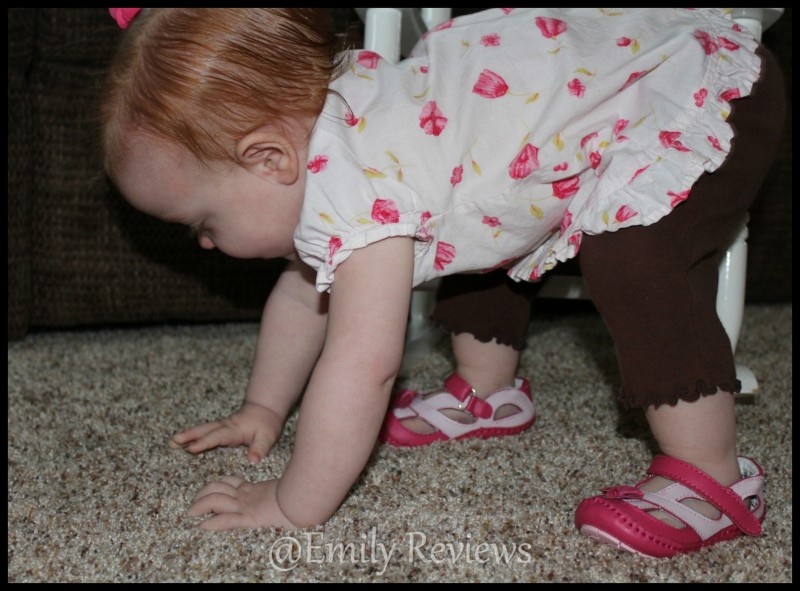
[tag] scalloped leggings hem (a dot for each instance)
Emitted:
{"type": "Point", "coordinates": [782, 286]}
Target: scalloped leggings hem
{"type": "Point", "coordinates": [701, 388]}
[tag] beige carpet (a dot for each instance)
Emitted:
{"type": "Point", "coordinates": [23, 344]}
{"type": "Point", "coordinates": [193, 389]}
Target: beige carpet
{"type": "Point", "coordinates": [94, 494]}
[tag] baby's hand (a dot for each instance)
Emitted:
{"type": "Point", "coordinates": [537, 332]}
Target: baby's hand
{"type": "Point", "coordinates": [253, 425]}
{"type": "Point", "coordinates": [236, 503]}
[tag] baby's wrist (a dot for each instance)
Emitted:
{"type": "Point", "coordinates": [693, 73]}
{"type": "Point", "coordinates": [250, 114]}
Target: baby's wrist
{"type": "Point", "coordinates": [291, 523]}
{"type": "Point", "coordinates": [263, 406]}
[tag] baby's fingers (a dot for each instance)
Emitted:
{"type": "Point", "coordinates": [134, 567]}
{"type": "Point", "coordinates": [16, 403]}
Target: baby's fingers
{"type": "Point", "coordinates": [219, 503]}
{"type": "Point", "coordinates": [221, 436]}
{"type": "Point", "coordinates": [226, 521]}
{"type": "Point", "coordinates": [259, 447]}
{"type": "Point", "coordinates": [193, 434]}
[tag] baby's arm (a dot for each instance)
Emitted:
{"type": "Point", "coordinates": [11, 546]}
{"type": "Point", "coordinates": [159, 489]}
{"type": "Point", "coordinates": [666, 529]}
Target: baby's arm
{"type": "Point", "coordinates": [289, 342]}
{"type": "Point", "coordinates": [344, 403]}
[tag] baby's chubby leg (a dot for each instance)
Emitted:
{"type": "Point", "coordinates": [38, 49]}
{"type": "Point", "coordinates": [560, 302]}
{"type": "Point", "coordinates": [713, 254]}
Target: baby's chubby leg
{"type": "Point", "coordinates": [701, 433]}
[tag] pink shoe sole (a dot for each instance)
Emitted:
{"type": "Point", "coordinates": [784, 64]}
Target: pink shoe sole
{"type": "Point", "coordinates": [604, 538]}
{"type": "Point", "coordinates": [411, 439]}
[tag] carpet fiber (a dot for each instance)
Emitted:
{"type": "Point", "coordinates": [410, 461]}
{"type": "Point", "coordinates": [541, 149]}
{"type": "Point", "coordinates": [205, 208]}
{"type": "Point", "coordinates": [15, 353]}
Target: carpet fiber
{"type": "Point", "coordinates": [95, 494]}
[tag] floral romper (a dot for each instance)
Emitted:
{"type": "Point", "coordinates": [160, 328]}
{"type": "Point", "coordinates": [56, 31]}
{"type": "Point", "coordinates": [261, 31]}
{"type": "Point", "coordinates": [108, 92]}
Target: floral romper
{"type": "Point", "coordinates": [510, 133]}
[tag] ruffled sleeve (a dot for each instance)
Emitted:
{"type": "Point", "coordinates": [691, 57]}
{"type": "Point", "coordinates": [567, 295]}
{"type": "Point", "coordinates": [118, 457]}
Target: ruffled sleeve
{"type": "Point", "coordinates": [334, 224]}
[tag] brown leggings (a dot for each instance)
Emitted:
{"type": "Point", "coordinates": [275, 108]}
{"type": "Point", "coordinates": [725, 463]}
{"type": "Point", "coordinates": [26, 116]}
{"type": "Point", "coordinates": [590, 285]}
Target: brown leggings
{"type": "Point", "coordinates": [654, 286]}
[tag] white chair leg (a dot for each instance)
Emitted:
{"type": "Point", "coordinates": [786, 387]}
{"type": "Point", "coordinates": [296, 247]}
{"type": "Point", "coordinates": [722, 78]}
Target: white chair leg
{"type": "Point", "coordinates": [730, 302]}
{"type": "Point", "coordinates": [435, 16]}
{"type": "Point", "coordinates": [382, 30]}
{"type": "Point", "coordinates": [421, 335]}
{"type": "Point", "coordinates": [730, 293]}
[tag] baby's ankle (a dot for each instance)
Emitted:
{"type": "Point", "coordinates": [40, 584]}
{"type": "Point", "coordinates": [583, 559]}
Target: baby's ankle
{"type": "Point", "coordinates": [486, 383]}
{"type": "Point", "coordinates": [724, 468]}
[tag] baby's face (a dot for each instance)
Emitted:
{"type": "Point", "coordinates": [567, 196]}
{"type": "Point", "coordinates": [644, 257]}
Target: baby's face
{"type": "Point", "coordinates": [226, 205]}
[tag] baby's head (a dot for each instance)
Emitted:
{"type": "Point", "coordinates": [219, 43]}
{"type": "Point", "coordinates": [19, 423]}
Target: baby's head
{"type": "Point", "coordinates": [221, 93]}
{"type": "Point", "coordinates": [204, 78]}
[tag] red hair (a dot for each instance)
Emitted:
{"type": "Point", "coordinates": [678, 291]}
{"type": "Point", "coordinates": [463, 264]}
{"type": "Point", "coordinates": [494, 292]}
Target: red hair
{"type": "Point", "coordinates": [205, 78]}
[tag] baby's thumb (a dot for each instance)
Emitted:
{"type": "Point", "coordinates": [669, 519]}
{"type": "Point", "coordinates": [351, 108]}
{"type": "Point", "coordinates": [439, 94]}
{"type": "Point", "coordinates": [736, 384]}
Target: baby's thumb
{"type": "Point", "coordinates": [258, 448]}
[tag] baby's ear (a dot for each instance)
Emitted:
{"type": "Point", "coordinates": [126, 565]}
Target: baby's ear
{"type": "Point", "coordinates": [269, 155]}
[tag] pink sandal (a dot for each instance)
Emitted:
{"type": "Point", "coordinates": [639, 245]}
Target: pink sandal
{"type": "Point", "coordinates": [619, 516]}
{"type": "Point", "coordinates": [458, 394]}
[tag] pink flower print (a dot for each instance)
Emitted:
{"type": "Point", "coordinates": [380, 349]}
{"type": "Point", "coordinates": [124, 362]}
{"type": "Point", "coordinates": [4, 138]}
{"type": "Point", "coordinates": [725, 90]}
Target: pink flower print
{"type": "Point", "coordinates": [625, 213]}
{"type": "Point", "coordinates": [714, 142]}
{"type": "Point", "coordinates": [507, 10]}
{"type": "Point", "coordinates": [631, 79]}
{"type": "Point", "coordinates": [575, 240]}
{"type": "Point", "coordinates": [678, 197]}
{"type": "Point", "coordinates": [700, 97]}
{"type": "Point", "coordinates": [534, 276]}
{"type": "Point", "coordinates": [441, 27]}
{"type": "Point", "coordinates": [525, 163]}
{"type": "Point", "coordinates": [491, 40]}
{"type": "Point", "coordinates": [705, 40]}
{"type": "Point", "coordinates": [368, 59]}
{"type": "Point", "coordinates": [492, 221]}
{"type": "Point", "coordinates": [550, 27]}
{"type": "Point", "coordinates": [560, 167]}
{"type": "Point", "coordinates": [588, 137]}
{"type": "Point", "coordinates": [727, 44]}
{"type": "Point", "coordinates": [669, 139]}
{"type": "Point", "coordinates": [490, 85]}
{"type": "Point", "coordinates": [317, 164]}
{"type": "Point", "coordinates": [637, 173]}
{"type": "Point", "coordinates": [620, 125]}
{"type": "Point", "coordinates": [423, 233]}
{"type": "Point", "coordinates": [334, 244]}
{"type": "Point", "coordinates": [566, 221]}
{"type": "Point", "coordinates": [350, 119]}
{"type": "Point", "coordinates": [730, 94]}
{"type": "Point", "coordinates": [431, 119]}
{"type": "Point", "coordinates": [737, 28]}
{"type": "Point", "coordinates": [566, 188]}
{"type": "Point", "coordinates": [576, 88]}
{"type": "Point", "coordinates": [458, 174]}
{"type": "Point", "coordinates": [594, 159]}
{"type": "Point", "coordinates": [384, 211]}
{"type": "Point", "coordinates": [445, 253]}
{"type": "Point", "coordinates": [624, 41]}
{"type": "Point", "coordinates": [423, 69]}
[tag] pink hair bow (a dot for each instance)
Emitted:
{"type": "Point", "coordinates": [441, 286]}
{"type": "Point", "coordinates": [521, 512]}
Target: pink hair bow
{"type": "Point", "coordinates": [124, 16]}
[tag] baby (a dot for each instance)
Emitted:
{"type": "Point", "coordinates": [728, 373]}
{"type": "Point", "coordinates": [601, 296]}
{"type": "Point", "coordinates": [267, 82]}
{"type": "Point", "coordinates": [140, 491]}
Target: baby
{"type": "Point", "coordinates": [509, 139]}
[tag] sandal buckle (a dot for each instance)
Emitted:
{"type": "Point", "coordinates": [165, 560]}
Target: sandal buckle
{"type": "Point", "coordinates": [464, 403]}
